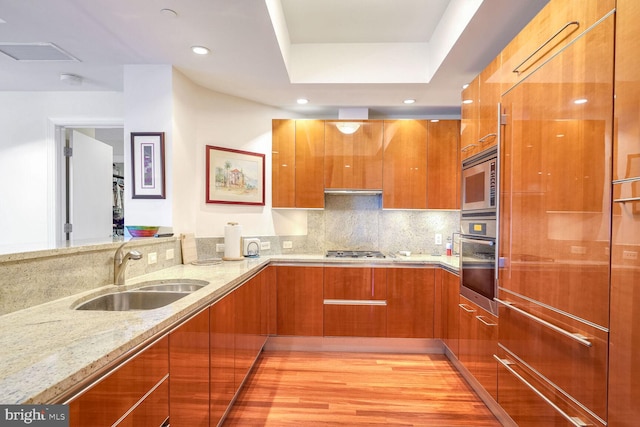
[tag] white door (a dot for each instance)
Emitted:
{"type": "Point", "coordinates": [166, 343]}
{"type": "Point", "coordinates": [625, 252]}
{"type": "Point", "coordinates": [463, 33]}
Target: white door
{"type": "Point", "coordinates": [91, 188]}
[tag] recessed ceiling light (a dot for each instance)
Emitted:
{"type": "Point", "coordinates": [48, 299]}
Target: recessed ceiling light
{"type": "Point", "coordinates": [435, 121]}
{"type": "Point", "coordinates": [580, 101]}
{"type": "Point", "coordinates": [409, 101]}
{"type": "Point", "coordinates": [302, 101]}
{"type": "Point", "coordinates": [468, 101]}
{"type": "Point", "coordinates": [71, 79]}
{"type": "Point", "coordinates": [199, 50]}
{"type": "Point", "coordinates": [465, 86]}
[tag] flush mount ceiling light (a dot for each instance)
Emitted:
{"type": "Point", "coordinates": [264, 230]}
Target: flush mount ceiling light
{"type": "Point", "coordinates": [199, 50]}
{"type": "Point", "coordinates": [348, 127]}
{"type": "Point", "coordinates": [302, 101]}
{"type": "Point", "coordinates": [71, 79]}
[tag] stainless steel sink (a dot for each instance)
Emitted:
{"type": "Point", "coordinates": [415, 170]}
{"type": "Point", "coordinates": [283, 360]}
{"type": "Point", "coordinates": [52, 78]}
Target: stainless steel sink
{"type": "Point", "coordinates": [181, 286]}
{"type": "Point", "coordinates": [149, 295]}
{"type": "Point", "coordinates": [131, 300]}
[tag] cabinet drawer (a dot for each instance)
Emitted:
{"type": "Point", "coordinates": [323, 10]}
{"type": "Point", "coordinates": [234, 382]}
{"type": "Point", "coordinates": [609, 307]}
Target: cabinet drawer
{"type": "Point", "coordinates": [532, 402]}
{"type": "Point", "coordinates": [152, 411]}
{"type": "Point", "coordinates": [559, 23]}
{"type": "Point", "coordinates": [570, 354]}
{"type": "Point", "coordinates": [355, 320]}
{"type": "Point", "coordinates": [355, 283]}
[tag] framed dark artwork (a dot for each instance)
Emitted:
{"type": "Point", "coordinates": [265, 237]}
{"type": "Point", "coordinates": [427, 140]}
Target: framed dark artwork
{"type": "Point", "coordinates": [147, 165]}
{"type": "Point", "coordinates": [234, 176]}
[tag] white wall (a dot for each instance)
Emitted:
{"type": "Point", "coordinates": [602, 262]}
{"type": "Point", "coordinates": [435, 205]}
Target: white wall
{"type": "Point", "coordinates": [27, 154]}
{"type": "Point", "coordinates": [204, 117]}
{"type": "Point", "coordinates": [148, 107]}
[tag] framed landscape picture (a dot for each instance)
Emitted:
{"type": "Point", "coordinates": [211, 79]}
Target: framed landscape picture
{"type": "Point", "coordinates": [234, 176]}
{"type": "Point", "coordinates": [147, 165]}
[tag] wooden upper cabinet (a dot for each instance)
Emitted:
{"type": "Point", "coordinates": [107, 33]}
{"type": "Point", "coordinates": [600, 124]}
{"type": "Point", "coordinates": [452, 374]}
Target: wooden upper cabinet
{"type": "Point", "coordinates": [469, 120]}
{"type": "Point", "coordinates": [309, 164]}
{"type": "Point", "coordinates": [626, 148]}
{"type": "Point", "coordinates": [443, 171]}
{"type": "Point", "coordinates": [283, 163]}
{"type": "Point", "coordinates": [557, 25]}
{"type": "Point", "coordinates": [405, 164]}
{"type": "Point", "coordinates": [297, 163]}
{"type": "Point", "coordinates": [489, 92]}
{"type": "Point", "coordinates": [353, 161]}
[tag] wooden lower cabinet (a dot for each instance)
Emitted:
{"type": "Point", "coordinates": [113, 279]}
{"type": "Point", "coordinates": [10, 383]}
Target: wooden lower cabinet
{"type": "Point", "coordinates": [478, 341]}
{"type": "Point", "coordinates": [450, 310]}
{"type": "Point", "coordinates": [355, 301]}
{"type": "Point", "coordinates": [139, 385]}
{"type": "Point", "coordinates": [248, 327]}
{"type": "Point", "coordinates": [299, 308]}
{"type": "Point", "coordinates": [189, 368]}
{"type": "Point", "coordinates": [221, 357]}
{"type": "Point", "coordinates": [410, 302]}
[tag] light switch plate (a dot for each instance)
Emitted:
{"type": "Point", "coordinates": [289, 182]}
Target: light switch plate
{"type": "Point", "coordinates": [438, 239]}
{"type": "Point", "coordinates": [219, 247]}
{"type": "Point", "coordinates": [287, 244]}
{"type": "Point", "coordinates": [265, 246]}
{"type": "Point", "coordinates": [169, 254]}
{"type": "Point", "coordinates": [152, 258]}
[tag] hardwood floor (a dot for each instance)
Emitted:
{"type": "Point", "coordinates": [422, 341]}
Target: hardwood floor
{"type": "Point", "coordinates": [307, 389]}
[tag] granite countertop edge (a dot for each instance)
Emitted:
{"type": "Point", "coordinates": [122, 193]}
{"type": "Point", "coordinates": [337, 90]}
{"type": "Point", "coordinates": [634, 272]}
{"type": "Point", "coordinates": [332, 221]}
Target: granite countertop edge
{"type": "Point", "coordinates": [50, 348]}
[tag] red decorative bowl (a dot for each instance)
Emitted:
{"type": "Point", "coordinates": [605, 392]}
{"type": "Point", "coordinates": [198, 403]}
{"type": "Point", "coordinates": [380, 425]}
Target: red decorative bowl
{"type": "Point", "coordinates": [142, 230]}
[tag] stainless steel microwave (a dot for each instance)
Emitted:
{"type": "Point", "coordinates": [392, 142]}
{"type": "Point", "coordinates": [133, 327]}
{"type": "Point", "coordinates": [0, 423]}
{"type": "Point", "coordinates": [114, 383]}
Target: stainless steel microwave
{"type": "Point", "coordinates": [479, 183]}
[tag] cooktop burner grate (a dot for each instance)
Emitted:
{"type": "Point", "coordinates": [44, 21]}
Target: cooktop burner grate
{"type": "Point", "coordinates": [354, 254]}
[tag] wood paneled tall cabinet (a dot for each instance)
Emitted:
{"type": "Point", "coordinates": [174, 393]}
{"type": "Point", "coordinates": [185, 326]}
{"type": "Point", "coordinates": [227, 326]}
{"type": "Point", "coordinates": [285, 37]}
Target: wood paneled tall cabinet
{"type": "Point", "coordinates": [624, 336]}
{"type": "Point", "coordinates": [353, 161]}
{"type": "Point", "coordinates": [470, 114]}
{"type": "Point", "coordinates": [554, 321]}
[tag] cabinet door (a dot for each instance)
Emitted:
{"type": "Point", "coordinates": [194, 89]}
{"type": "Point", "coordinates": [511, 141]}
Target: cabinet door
{"type": "Point", "coordinates": [299, 300]}
{"type": "Point", "coordinates": [410, 302]}
{"type": "Point", "coordinates": [443, 161]}
{"type": "Point", "coordinates": [624, 336]}
{"type": "Point", "coordinates": [626, 150]}
{"type": "Point", "coordinates": [469, 115]}
{"type": "Point", "coordinates": [468, 333]}
{"type": "Point", "coordinates": [557, 25]}
{"type": "Point", "coordinates": [189, 368]}
{"type": "Point", "coordinates": [222, 355]}
{"type": "Point", "coordinates": [489, 92]}
{"type": "Point", "coordinates": [485, 369]}
{"type": "Point", "coordinates": [355, 301]}
{"type": "Point", "coordinates": [309, 161]}
{"type": "Point", "coordinates": [557, 252]}
{"type": "Point", "coordinates": [450, 310]}
{"type": "Point", "coordinates": [248, 327]}
{"type": "Point", "coordinates": [353, 161]}
{"type": "Point", "coordinates": [112, 397]}
{"type": "Point", "coordinates": [283, 163]}
{"type": "Point", "coordinates": [405, 164]}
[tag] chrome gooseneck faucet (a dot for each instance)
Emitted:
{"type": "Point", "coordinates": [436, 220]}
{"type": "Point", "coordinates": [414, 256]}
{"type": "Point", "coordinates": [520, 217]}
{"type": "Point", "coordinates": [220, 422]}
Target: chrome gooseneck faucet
{"type": "Point", "coordinates": [120, 263]}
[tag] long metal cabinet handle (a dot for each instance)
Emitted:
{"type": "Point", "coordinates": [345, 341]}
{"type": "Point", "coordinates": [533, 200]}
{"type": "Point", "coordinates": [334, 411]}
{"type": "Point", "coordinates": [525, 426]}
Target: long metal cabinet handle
{"type": "Point", "coordinates": [628, 199]}
{"type": "Point", "coordinates": [468, 147]}
{"type": "Point", "coordinates": [568, 24]}
{"type": "Point", "coordinates": [464, 307]}
{"type": "Point", "coordinates": [481, 318]}
{"type": "Point", "coordinates": [480, 242]}
{"type": "Point", "coordinates": [573, 420]}
{"type": "Point", "coordinates": [354, 302]}
{"type": "Point", "coordinates": [487, 136]}
{"type": "Point", "coordinates": [574, 336]}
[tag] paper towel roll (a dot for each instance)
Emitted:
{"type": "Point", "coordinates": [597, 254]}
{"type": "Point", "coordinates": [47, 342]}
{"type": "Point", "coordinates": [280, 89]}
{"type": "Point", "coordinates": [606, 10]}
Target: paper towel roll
{"type": "Point", "coordinates": [232, 242]}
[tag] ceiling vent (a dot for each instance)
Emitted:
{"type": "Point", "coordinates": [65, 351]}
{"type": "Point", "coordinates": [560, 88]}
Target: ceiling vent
{"type": "Point", "coordinates": [35, 52]}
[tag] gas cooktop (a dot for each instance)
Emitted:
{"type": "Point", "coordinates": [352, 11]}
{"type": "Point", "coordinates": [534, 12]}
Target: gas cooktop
{"type": "Point", "coordinates": [355, 254]}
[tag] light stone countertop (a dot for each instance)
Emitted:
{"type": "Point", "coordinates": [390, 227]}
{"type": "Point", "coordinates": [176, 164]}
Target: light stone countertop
{"type": "Point", "coordinates": [50, 348]}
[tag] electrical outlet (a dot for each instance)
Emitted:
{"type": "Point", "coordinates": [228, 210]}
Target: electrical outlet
{"type": "Point", "coordinates": [152, 258]}
{"type": "Point", "coordinates": [287, 244]}
{"type": "Point", "coordinates": [219, 247]}
{"type": "Point", "coordinates": [265, 246]}
{"type": "Point", "coordinates": [169, 254]}
{"type": "Point", "coordinates": [629, 255]}
{"type": "Point", "coordinates": [438, 239]}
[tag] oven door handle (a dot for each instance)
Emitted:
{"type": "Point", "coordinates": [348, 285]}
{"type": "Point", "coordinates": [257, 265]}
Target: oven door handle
{"type": "Point", "coordinates": [478, 241]}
